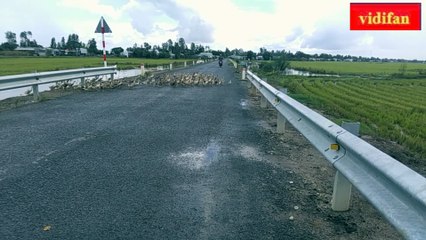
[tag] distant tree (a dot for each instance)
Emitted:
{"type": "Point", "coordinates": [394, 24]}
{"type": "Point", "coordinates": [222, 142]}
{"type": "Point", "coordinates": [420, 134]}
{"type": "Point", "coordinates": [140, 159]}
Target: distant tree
{"type": "Point", "coordinates": [92, 49]}
{"type": "Point", "coordinates": [266, 55]}
{"type": "Point", "coordinates": [217, 53]}
{"type": "Point", "coordinates": [170, 47]}
{"type": "Point", "coordinates": [227, 52]}
{"type": "Point", "coordinates": [73, 42]}
{"type": "Point", "coordinates": [165, 46]}
{"type": "Point", "coordinates": [8, 46]}
{"type": "Point", "coordinates": [25, 41]}
{"type": "Point", "coordinates": [164, 54]}
{"type": "Point", "coordinates": [250, 55]}
{"type": "Point", "coordinates": [199, 49]}
{"type": "Point", "coordinates": [302, 56]}
{"type": "Point", "coordinates": [146, 46]}
{"type": "Point", "coordinates": [10, 43]}
{"type": "Point", "coordinates": [10, 37]}
{"type": "Point", "coordinates": [155, 51]}
{"type": "Point", "coordinates": [170, 42]}
{"type": "Point", "coordinates": [63, 44]}
{"type": "Point", "coordinates": [117, 51]}
{"type": "Point", "coordinates": [53, 43]}
{"type": "Point", "coordinates": [33, 43]}
{"type": "Point", "coordinates": [176, 50]}
{"type": "Point", "coordinates": [182, 45]}
{"type": "Point", "coordinates": [281, 64]}
{"type": "Point", "coordinates": [192, 49]}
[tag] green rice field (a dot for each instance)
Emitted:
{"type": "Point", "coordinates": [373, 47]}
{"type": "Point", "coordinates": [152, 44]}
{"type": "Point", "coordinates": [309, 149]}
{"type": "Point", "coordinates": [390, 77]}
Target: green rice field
{"type": "Point", "coordinates": [20, 65]}
{"type": "Point", "coordinates": [391, 108]}
{"type": "Point", "coordinates": [359, 68]}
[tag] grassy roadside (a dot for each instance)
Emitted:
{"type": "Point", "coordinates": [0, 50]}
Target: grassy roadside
{"type": "Point", "coordinates": [20, 65]}
{"type": "Point", "coordinates": [391, 108]}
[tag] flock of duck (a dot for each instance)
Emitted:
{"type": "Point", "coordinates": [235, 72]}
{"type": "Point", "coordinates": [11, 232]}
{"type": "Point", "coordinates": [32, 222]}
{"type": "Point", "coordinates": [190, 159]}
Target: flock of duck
{"type": "Point", "coordinates": [165, 79]}
{"type": "Point", "coordinates": [184, 79]}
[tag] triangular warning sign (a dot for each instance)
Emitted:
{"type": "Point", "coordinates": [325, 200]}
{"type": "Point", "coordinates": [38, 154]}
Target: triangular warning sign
{"type": "Point", "coordinates": [106, 27]}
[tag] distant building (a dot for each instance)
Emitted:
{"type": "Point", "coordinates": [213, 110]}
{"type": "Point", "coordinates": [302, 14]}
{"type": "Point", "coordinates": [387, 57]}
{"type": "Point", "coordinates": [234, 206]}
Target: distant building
{"type": "Point", "coordinates": [237, 57]}
{"type": "Point", "coordinates": [82, 51]}
{"type": "Point", "coordinates": [125, 53]}
{"type": "Point", "coordinates": [25, 49]}
{"type": "Point", "coordinates": [208, 55]}
{"type": "Point", "coordinates": [76, 52]}
{"type": "Point", "coordinates": [70, 52]}
{"type": "Point", "coordinates": [37, 51]}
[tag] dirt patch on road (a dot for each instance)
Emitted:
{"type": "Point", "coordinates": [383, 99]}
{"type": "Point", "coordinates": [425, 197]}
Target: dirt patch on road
{"type": "Point", "coordinates": [313, 189]}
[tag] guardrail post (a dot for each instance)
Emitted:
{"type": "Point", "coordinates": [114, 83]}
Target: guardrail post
{"type": "Point", "coordinates": [112, 76]}
{"type": "Point", "coordinates": [263, 102]}
{"type": "Point", "coordinates": [280, 123]}
{"type": "Point", "coordinates": [193, 62]}
{"type": "Point", "coordinates": [341, 193]}
{"type": "Point", "coordinates": [36, 94]}
{"type": "Point", "coordinates": [283, 90]}
{"type": "Point", "coordinates": [171, 66]}
{"type": "Point", "coordinates": [243, 76]}
{"type": "Point", "coordinates": [82, 81]}
{"type": "Point", "coordinates": [252, 87]}
{"type": "Point", "coordinates": [143, 70]}
{"type": "Point", "coordinates": [342, 187]}
{"type": "Point", "coordinates": [249, 85]}
{"type": "Point", "coordinates": [184, 64]}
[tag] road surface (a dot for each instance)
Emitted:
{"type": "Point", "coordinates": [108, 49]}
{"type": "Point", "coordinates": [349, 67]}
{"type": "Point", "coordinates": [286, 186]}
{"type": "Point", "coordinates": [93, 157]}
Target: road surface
{"type": "Point", "coordinates": [145, 163]}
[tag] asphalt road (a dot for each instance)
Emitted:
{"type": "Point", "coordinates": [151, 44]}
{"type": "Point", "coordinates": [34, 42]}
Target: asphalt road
{"type": "Point", "coordinates": [142, 163]}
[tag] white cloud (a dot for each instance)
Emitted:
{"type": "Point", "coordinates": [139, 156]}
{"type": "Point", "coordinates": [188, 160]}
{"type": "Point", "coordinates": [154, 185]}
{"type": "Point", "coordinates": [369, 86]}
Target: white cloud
{"type": "Point", "coordinates": [310, 26]}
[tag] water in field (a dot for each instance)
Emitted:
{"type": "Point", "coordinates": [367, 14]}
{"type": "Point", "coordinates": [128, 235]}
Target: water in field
{"type": "Point", "coordinates": [46, 87]}
{"type": "Point", "coordinates": [294, 72]}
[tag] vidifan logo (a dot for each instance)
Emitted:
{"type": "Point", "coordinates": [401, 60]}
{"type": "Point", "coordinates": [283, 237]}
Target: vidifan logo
{"type": "Point", "coordinates": [385, 16]}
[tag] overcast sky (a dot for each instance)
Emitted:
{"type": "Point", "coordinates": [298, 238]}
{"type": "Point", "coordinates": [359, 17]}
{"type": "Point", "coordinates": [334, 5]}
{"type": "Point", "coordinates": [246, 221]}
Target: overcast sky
{"type": "Point", "coordinates": [310, 26]}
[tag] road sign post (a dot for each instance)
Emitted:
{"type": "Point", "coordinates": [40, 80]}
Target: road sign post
{"type": "Point", "coordinates": [103, 28]}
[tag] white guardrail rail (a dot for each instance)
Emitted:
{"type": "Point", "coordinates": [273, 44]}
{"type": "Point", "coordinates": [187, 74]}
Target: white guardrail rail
{"type": "Point", "coordinates": [395, 190]}
{"type": "Point", "coordinates": [35, 79]}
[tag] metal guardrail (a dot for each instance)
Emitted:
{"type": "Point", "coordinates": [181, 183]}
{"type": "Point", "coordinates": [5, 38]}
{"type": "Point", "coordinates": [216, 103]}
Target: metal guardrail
{"type": "Point", "coordinates": [233, 62]}
{"type": "Point", "coordinates": [35, 79]}
{"type": "Point", "coordinates": [395, 190]}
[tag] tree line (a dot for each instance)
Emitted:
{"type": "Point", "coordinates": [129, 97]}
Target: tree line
{"type": "Point", "coordinates": [12, 43]}
{"type": "Point", "coordinates": [26, 40]}
{"type": "Point", "coordinates": [301, 56]}
{"type": "Point", "coordinates": [170, 49]}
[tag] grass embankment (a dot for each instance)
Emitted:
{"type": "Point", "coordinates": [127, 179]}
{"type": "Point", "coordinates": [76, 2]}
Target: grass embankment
{"type": "Point", "coordinates": [20, 65]}
{"type": "Point", "coordinates": [388, 107]}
